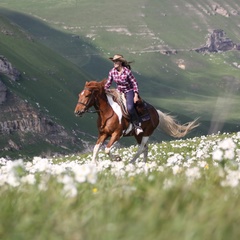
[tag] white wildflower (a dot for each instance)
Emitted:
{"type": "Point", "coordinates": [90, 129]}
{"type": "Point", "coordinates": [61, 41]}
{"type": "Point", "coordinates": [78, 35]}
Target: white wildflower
{"type": "Point", "coordinates": [70, 190]}
{"type": "Point", "coordinates": [29, 179]}
{"type": "Point", "coordinates": [12, 180]}
{"type": "Point", "coordinates": [176, 169]}
{"type": "Point", "coordinates": [168, 183]}
{"type": "Point", "coordinates": [217, 155]}
{"type": "Point", "coordinates": [232, 179]}
{"type": "Point", "coordinates": [193, 174]}
{"type": "Point", "coordinates": [40, 164]}
{"type": "Point", "coordinates": [227, 143]}
{"type": "Point", "coordinates": [229, 154]}
{"type": "Point", "coordinates": [175, 159]}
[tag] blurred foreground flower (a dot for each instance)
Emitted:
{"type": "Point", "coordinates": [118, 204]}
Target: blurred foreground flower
{"type": "Point", "coordinates": [41, 170]}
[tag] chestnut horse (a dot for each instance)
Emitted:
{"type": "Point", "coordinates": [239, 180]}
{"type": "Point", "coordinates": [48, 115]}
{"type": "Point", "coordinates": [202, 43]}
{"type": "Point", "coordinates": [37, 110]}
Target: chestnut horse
{"type": "Point", "coordinates": [113, 124]}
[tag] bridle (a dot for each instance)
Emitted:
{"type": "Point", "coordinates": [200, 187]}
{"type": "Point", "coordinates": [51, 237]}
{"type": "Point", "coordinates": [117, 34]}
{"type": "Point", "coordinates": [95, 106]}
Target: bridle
{"type": "Point", "coordinates": [86, 105]}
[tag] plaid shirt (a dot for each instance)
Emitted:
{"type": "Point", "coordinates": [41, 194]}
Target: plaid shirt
{"type": "Point", "coordinates": [125, 81]}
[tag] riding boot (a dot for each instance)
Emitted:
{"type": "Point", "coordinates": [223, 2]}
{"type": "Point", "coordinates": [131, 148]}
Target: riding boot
{"type": "Point", "coordinates": [137, 127]}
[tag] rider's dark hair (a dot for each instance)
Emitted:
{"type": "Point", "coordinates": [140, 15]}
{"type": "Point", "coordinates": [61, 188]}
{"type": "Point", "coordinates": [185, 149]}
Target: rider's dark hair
{"type": "Point", "coordinates": [127, 64]}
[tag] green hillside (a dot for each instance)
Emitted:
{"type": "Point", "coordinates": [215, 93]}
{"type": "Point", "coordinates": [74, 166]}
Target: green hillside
{"type": "Point", "coordinates": [48, 82]}
{"type": "Point", "coordinates": [72, 40]}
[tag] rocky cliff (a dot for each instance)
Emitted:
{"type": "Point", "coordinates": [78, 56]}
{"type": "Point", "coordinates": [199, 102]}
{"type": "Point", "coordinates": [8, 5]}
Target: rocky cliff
{"type": "Point", "coordinates": [3, 93]}
{"type": "Point", "coordinates": [21, 124]}
{"type": "Point", "coordinates": [7, 69]}
{"type": "Point", "coordinates": [217, 41]}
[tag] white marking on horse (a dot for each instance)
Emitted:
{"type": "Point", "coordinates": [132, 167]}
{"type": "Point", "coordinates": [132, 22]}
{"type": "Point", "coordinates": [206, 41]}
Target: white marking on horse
{"type": "Point", "coordinates": [116, 108]}
{"type": "Point", "coordinates": [95, 152]}
{"type": "Point", "coordinates": [82, 93]}
{"type": "Point", "coordinates": [107, 150]}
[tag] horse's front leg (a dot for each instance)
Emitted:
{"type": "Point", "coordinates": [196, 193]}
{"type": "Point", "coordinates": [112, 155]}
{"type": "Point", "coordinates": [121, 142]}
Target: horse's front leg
{"type": "Point", "coordinates": [143, 148]}
{"type": "Point", "coordinates": [97, 146]}
{"type": "Point", "coordinates": [114, 138]}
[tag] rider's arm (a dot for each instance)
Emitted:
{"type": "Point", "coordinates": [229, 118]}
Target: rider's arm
{"type": "Point", "coordinates": [109, 81]}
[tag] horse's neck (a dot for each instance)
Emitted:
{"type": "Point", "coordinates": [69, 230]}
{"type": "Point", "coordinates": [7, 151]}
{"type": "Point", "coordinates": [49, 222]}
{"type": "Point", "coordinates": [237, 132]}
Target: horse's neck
{"type": "Point", "coordinates": [102, 105]}
{"type": "Point", "coordinates": [105, 111]}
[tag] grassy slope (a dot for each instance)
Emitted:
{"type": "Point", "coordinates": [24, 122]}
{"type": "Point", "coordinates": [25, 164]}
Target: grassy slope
{"type": "Point", "coordinates": [182, 26]}
{"type": "Point", "coordinates": [47, 78]}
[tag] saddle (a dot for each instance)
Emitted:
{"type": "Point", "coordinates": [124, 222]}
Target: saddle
{"type": "Point", "coordinates": [141, 106]}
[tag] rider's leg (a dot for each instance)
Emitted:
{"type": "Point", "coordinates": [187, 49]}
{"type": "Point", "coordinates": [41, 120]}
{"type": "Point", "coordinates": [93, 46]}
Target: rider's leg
{"type": "Point", "coordinates": [132, 111]}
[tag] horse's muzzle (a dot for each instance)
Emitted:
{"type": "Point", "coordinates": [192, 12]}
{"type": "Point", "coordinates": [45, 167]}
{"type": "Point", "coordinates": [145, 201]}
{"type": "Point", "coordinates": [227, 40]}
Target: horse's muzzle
{"type": "Point", "coordinates": [78, 113]}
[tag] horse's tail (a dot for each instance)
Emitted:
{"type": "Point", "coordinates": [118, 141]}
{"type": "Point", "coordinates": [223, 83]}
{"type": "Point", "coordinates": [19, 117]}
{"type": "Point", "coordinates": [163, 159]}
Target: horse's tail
{"type": "Point", "coordinates": [169, 125]}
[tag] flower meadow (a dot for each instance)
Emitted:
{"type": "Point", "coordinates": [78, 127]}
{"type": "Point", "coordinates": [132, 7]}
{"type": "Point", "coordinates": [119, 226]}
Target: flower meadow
{"type": "Point", "coordinates": [187, 189]}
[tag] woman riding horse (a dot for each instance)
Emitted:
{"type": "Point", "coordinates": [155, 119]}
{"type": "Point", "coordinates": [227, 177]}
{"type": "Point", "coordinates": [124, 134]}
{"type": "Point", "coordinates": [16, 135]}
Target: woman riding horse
{"type": "Point", "coordinates": [113, 124]}
{"type": "Point", "coordinates": [126, 83]}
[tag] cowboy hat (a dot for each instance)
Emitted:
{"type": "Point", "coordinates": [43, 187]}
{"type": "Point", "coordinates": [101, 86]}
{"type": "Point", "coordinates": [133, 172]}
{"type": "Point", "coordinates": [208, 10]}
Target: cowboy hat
{"type": "Point", "coordinates": [118, 57]}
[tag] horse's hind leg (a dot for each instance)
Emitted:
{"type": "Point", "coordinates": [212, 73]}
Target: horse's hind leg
{"type": "Point", "coordinates": [143, 148]}
{"type": "Point", "coordinates": [145, 153]}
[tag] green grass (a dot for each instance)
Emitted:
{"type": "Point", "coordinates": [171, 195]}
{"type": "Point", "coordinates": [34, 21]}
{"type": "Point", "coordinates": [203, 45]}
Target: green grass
{"type": "Point", "coordinates": [113, 213]}
{"type": "Point", "coordinates": [191, 198]}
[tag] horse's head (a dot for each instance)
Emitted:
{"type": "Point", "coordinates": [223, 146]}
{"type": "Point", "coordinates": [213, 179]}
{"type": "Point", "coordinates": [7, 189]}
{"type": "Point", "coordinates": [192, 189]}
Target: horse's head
{"type": "Point", "coordinates": [87, 98]}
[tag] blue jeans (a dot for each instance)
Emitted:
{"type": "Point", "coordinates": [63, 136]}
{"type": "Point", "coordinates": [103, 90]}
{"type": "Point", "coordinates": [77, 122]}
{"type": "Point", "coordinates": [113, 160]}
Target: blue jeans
{"type": "Point", "coordinates": [131, 108]}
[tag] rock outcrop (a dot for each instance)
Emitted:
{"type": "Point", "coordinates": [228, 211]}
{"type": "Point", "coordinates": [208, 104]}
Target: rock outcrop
{"type": "Point", "coordinates": [12, 73]}
{"type": "Point", "coordinates": [217, 41]}
{"type": "Point", "coordinates": [220, 10]}
{"type": "Point", "coordinates": [3, 92]}
{"type": "Point", "coordinates": [18, 116]}
{"type": "Point", "coordinates": [19, 120]}
{"type": "Point", "coordinates": [7, 69]}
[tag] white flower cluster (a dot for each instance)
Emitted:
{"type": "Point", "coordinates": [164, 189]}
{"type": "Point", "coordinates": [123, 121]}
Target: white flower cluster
{"type": "Point", "coordinates": [224, 150]}
{"type": "Point", "coordinates": [41, 170]}
{"type": "Point", "coordinates": [188, 159]}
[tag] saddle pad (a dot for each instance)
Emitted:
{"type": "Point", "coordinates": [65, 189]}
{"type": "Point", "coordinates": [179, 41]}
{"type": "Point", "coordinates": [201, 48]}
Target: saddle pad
{"type": "Point", "coordinates": [145, 117]}
{"type": "Point", "coordinates": [120, 99]}
{"type": "Point", "coordinates": [118, 103]}
{"type": "Point", "coordinates": [115, 106]}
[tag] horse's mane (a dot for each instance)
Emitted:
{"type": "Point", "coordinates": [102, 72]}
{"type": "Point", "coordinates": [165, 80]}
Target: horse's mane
{"type": "Point", "coordinates": [95, 84]}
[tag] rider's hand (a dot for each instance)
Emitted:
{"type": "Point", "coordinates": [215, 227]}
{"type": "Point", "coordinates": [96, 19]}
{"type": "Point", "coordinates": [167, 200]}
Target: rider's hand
{"type": "Point", "coordinates": [136, 98]}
